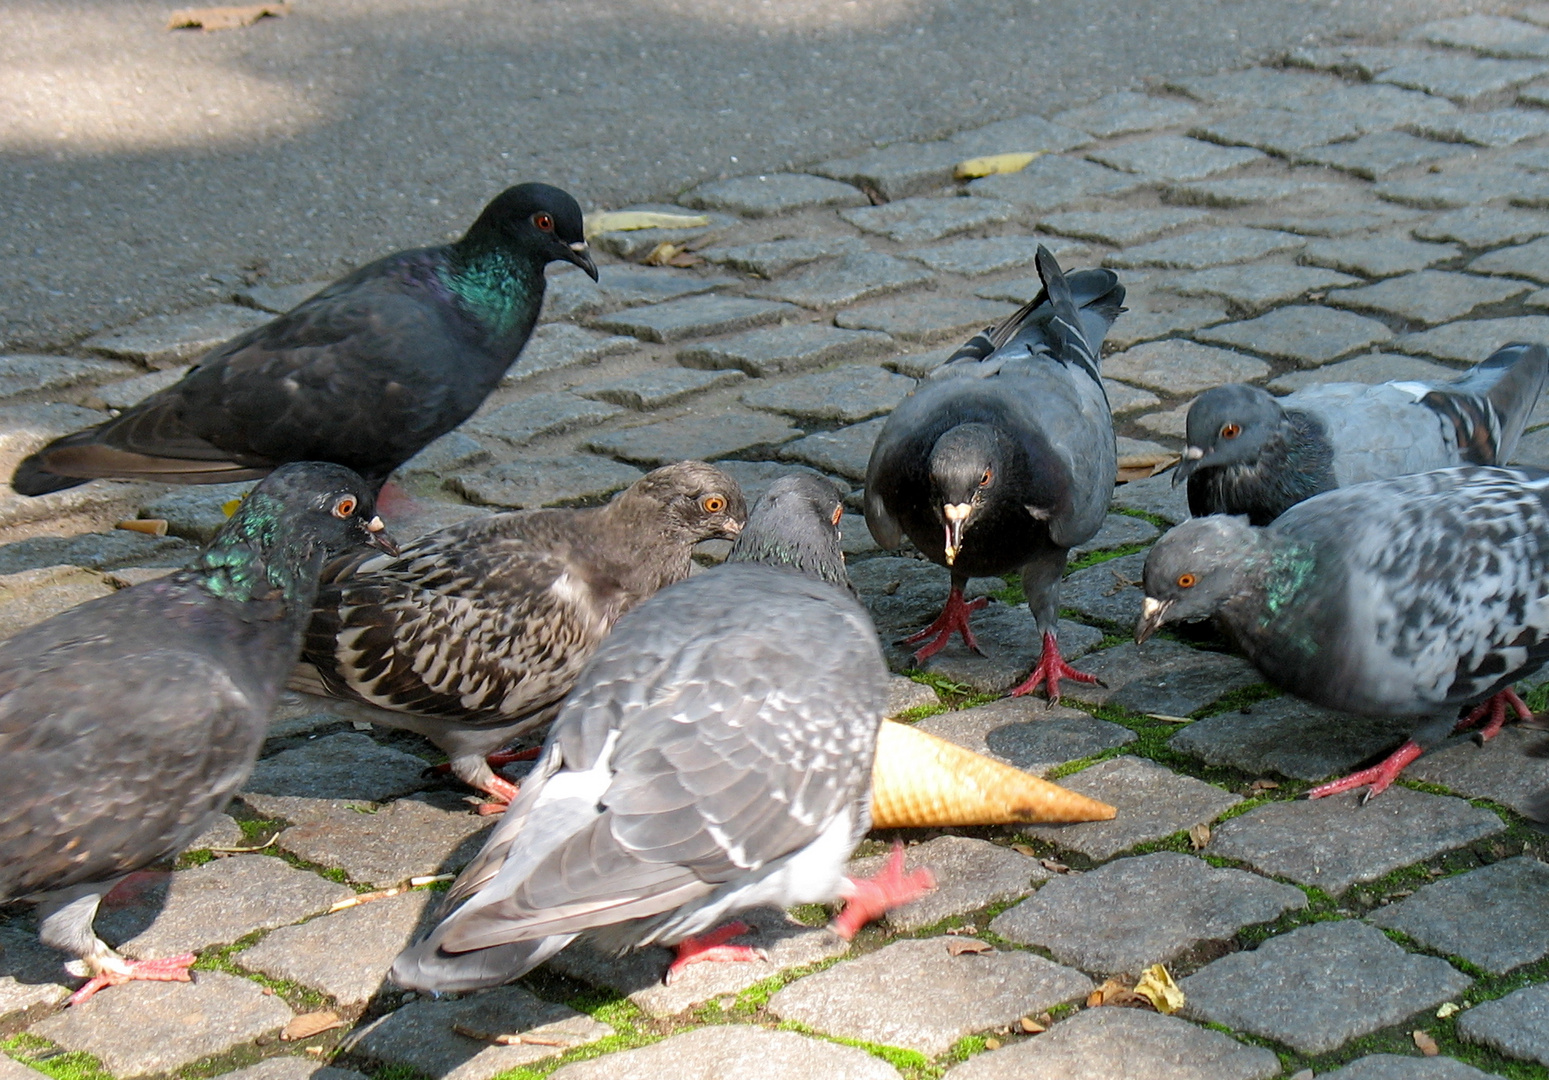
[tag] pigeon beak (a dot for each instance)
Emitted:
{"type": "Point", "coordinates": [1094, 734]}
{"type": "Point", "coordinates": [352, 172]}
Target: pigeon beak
{"type": "Point", "coordinates": [581, 255]}
{"type": "Point", "coordinates": [1186, 467]}
{"type": "Point", "coordinates": [956, 514]}
{"type": "Point", "coordinates": [1153, 613]}
{"type": "Point", "coordinates": [376, 536]}
{"type": "Point", "coordinates": [730, 530]}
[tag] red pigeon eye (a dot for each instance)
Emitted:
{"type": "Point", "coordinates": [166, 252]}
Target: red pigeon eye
{"type": "Point", "coordinates": [1230, 431]}
{"type": "Point", "coordinates": [543, 221]}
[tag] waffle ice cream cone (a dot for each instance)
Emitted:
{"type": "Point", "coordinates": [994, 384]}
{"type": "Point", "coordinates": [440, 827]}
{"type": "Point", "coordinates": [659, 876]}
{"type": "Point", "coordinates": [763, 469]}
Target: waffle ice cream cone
{"type": "Point", "coordinates": [919, 780]}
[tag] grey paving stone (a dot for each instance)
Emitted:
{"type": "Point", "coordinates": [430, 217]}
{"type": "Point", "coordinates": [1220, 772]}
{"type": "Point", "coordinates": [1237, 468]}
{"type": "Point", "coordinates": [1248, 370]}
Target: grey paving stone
{"type": "Point", "coordinates": [657, 387]}
{"type": "Point", "coordinates": [638, 974]}
{"type": "Point", "coordinates": [783, 349]}
{"type": "Point", "coordinates": [921, 220]}
{"type": "Point", "coordinates": [897, 171]}
{"type": "Point", "coordinates": [1117, 531]}
{"type": "Point", "coordinates": [854, 537]}
{"type": "Point", "coordinates": [1530, 260]}
{"type": "Point", "coordinates": [1056, 181]}
{"type": "Point", "coordinates": [1129, 447]}
{"type": "Point", "coordinates": [636, 244]}
{"type": "Point", "coordinates": [970, 874]}
{"type": "Point", "coordinates": [1127, 112]}
{"type": "Point", "coordinates": [1154, 314]}
{"type": "Point", "coordinates": [1182, 367]}
{"type": "Point", "coordinates": [222, 832]}
{"type": "Point", "coordinates": [972, 258]}
{"type": "Point", "coordinates": [1174, 157]}
{"type": "Point", "coordinates": [1533, 96]}
{"type": "Point", "coordinates": [917, 995]}
{"type": "Point", "coordinates": [1153, 802]}
{"type": "Point", "coordinates": [1395, 1067]}
{"type": "Point", "coordinates": [1334, 842]}
{"type": "Point", "coordinates": [845, 280]}
{"type": "Point", "coordinates": [844, 451]}
{"type": "Point", "coordinates": [1498, 127]}
{"type": "Point", "coordinates": [1259, 287]}
{"type": "Point", "coordinates": [902, 593]}
{"type": "Point", "coordinates": [534, 482]}
{"type": "Point", "coordinates": [1491, 917]}
{"type": "Point", "coordinates": [696, 316]}
{"type": "Point", "coordinates": [1374, 106]}
{"type": "Point", "coordinates": [1162, 677]}
{"type": "Point", "coordinates": [344, 955]}
{"type": "Point", "coordinates": [1238, 191]}
{"type": "Point", "coordinates": [1343, 222]}
{"type": "Point", "coordinates": [164, 340]}
{"type": "Point", "coordinates": [1278, 131]}
{"type": "Point", "coordinates": [1207, 247]}
{"type": "Point", "coordinates": [1169, 422]}
{"type": "Point", "coordinates": [278, 299]}
{"type": "Point", "coordinates": [23, 373]}
{"type": "Point", "coordinates": [533, 417]}
{"type": "Point", "coordinates": [1155, 908]}
{"type": "Point", "coordinates": [293, 1068]}
{"type": "Point", "coordinates": [845, 395]}
{"type": "Point", "coordinates": [420, 1035]}
{"type": "Point", "coordinates": [773, 194]}
{"type": "Point", "coordinates": [1124, 399]}
{"type": "Point", "coordinates": [1320, 986]}
{"type": "Point", "coordinates": [1491, 35]}
{"type": "Point", "coordinates": [1379, 153]}
{"type": "Point", "coordinates": [1516, 1025]}
{"type": "Point", "coordinates": [349, 766]}
{"type": "Point", "coordinates": [755, 477]}
{"type": "Point", "coordinates": [1252, 87]}
{"type": "Point", "coordinates": [734, 1052]}
{"type": "Point", "coordinates": [30, 974]}
{"type": "Point", "coordinates": [1429, 297]}
{"type": "Point", "coordinates": [1463, 79]}
{"type": "Point", "coordinates": [157, 1027]}
{"type": "Point", "coordinates": [1472, 341]}
{"type": "Point", "coordinates": [196, 512]}
{"type": "Point", "coordinates": [95, 551]}
{"type": "Point", "coordinates": [558, 346]}
{"type": "Point", "coordinates": [30, 596]}
{"type": "Point", "coordinates": [1100, 1044]}
{"type": "Point", "coordinates": [1027, 733]}
{"type": "Point", "coordinates": [1291, 737]}
{"type": "Point", "coordinates": [1120, 227]}
{"type": "Point", "coordinates": [1484, 226]}
{"type": "Point", "coordinates": [11, 1069]}
{"type": "Point", "coordinates": [1449, 191]}
{"type": "Point", "coordinates": [1499, 770]}
{"type": "Point", "coordinates": [697, 437]}
{"type": "Point", "coordinates": [1371, 369]}
{"type": "Point", "coordinates": [1154, 495]}
{"type": "Point", "coordinates": [452, 451]}
{"type": "Point", "coordinates": [925, 319]}
{"type": "Point", "coordinates": [771, 258]}
{"type": "Point", "coordinates": [411, 837]}
{"type": "Point", "coordinates": [1310, 336]}
{"type": "Point", "coordinates": [121, 395]}
{"type": "Point", "coordinates": [1020, 134]}
{"type": "Point", "coordinates": [1364, 61]}
{"type": "Point", "coordinates": [214, 904]}
{"type": "Point", "coordinates": [904, 694]}
{"type": "Point", "coordinates": [571, 293]}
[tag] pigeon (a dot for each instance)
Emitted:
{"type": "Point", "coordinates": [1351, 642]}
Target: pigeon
{"type": "Point", "coordinates": [1251, 453]}
{"type": "Point", "coordinates": [126, 723]}
{"type": "Point", "coordinates": [1004, 458]}
{"type": "Point", "coordinates": [1411, 596]}
{"type": "Point", "coordinates": [364, 374]}
{"type": "Point", "coordinates": [474, 633]}
{"type": "Point", "coordinates": [714, 756]}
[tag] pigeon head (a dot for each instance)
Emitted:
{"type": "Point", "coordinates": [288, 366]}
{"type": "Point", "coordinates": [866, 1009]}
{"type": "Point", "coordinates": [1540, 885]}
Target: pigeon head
{"type": "Point", "coordinates": [967, 467]}
{"type": "Point", "coordinates": [795, 525]}
{"type": "Point", "coordinates": [1193, 570]}
{"type": "Point", "coordinates": [540, 220]}
{"type": "Point", "coordinates": [1228, 425]}
{"type": "Point", "coordinates": [313, 504]}
{"type": "Point", "coordinates": [694, 500]}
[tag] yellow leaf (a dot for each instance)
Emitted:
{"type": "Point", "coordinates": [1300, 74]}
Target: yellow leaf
{"type": "Point", "coordinates": [1449, 1009]}
{"type": "Point", "coordinates": [225, 18]}
{"type": "Point", "coordinates": [229, 507]}
{"type": "Point", "coordinates": [1157, 987]}
{"type": "Point", "coordinates": [1426, 1044]}
{"type": "Point", "coordinates": [631, 220]}
{"type": "Point", "coordinates": [974, 168]}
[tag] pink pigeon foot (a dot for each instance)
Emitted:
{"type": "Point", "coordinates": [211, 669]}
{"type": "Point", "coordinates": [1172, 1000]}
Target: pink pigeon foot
{"type": "Point", "coordinates": [953, 617]}
{"type": "Point", "coordinates": [870, 898]}
{"type": "Point", "coordinates": [1495, 708]}
{"type": "Point", "coordinates": [172, 969]}
{"type": "Point", "coordinates": [1050, 669]}
{"type": "Point", "coordinates": [1377, 778]}
{"type": "Point", "coordinates": [502, 789]}
{"type": "Point", "coordinates": [711, 948]}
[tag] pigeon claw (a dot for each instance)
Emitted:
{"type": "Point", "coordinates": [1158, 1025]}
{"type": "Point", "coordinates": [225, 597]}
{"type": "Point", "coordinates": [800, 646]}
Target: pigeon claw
{"type": "Point", "coordinates": [1495, 707]}
{"type": "Point", "coordinates": [504, 793]}
{"type": "Point", "coordinates": [1376, 779]}
{"type": "Point", "coordinates": [1050, 669]}
{"type": "Point", "coordinates": [953, 617]}
{"type": "Point", "coordinates": [711, 948]}
{"type": "Point", "coordinates": [870, 898]}
{"type": "Point", "coordinates": [170, 969]}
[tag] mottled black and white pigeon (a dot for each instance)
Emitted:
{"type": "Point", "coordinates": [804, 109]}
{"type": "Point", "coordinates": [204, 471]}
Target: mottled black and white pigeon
{"type": "Point", "coordinates": [364, 374]}
{"type": "Point", "coordinates": [127, 722]}
{"type": "Point", "coordinates": [1255, 454]}
{"type": "Point", "coordinates": [475, 632]}
{"type": "Point", "coordinates": [1412, 596]}
{"type": "Point", "coordinates": [1004, 458]}
{"type": "Point", "coordinates": [714, 756]}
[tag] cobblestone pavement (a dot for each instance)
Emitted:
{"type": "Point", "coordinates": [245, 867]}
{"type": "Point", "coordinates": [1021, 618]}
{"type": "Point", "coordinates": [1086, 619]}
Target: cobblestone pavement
{"type": "Point", "coordinates": [1361, 213]}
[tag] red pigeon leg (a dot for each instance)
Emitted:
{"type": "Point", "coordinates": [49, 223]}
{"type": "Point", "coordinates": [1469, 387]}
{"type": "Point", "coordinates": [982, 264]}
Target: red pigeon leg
{"type": "Point", "coordinates": [711, 948]}
{"type": "Point", "coordinates": [870, 898]}
{"type": "Point", "coordinates": [1377, 778]}
{"type": "Point", "coordinates": [1051, 668]}
{"type": "Point", "coordinates": [953, 617]}
{"type": "Point", "coordinates": [172, 969]}
{"type": "Point", "coordinates": [1495, 707]}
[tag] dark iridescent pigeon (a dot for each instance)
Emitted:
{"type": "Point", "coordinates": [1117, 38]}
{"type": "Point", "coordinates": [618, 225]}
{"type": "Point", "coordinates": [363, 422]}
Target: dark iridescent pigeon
{"type": "Point", "coordinates": [365, 373]}
{"type": "Point", "coordinates": [127, 722]}
{"type": "Point", "coordinates": [1004, 458]}
{"type": "Point", "coordinates": [473, 634]}
{"type": "Point", "coordinates": [1412, 596]}
{"type": "Point", "coordinates": [1251, 453]}
{"type": "Point", "coordinates": [714, 756]}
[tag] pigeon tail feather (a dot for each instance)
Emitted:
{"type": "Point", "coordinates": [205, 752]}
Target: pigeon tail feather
{"type": "Point", "coordinates": [1488, 406]}
{"type": "Point", "coordinates": [33, 477]}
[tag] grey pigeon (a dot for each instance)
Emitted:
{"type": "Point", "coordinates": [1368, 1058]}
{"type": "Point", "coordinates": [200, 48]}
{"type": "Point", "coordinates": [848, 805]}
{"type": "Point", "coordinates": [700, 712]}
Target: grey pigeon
{"type": "Point", "coordinates": [1251, 453]}
{"type": "Point", "coordinates": [1004, 458]}
{"type": "Point", "coordinates": [128, 722]}
{"type": "Point", "coordinates": [365, 373]}
{"type": "Point", "coordinates": [714, 756]}
{"type": "Point", "coordinates": [1412, 596]}
{"type": "Point", "coordinates": [475, 632]}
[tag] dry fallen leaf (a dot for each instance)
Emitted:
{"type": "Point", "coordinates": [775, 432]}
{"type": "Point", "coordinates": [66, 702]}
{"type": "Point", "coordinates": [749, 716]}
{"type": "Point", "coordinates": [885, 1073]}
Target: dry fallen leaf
{"type": "Point", "coordinates": [502, 1038]}
{"type": "Point", "coordinates": [1112, 992]}
{"type": "Point", "coordinates": [1449, 1009]}
{"type": "Point", "coordinates": [1025, 849]}
{"type": "Point", "coordinates": [1141, 466]}
{"type": "Point", "coordinates": [309, 1024]}
{"type": "Point", "coordinates": [959, 946]}
{"type": "Point", "coordinates": [1157, 987]}
{"type": "Point", "coordinates": [1426, 1044]}
{"type": "Point", "coordinates": [632, 220]}
{"type": "Point", "coordinates": [665, 254]}
{"type": "Point", "coordinates": [995, 164]}
{"type": "Point", "coordinates": [1031, 1026]}
{"type": "Point", "coordinates": [1055, 867]}
{"type": "Point", "coordinates": [992, 1043]}
{"type": "Point", "coordinates": [148, 526]}
{"type": "Point", "coordinates": [1199, 836]}
{"type": "Point", "coordinates": [225, 18]}
{"type": "Point", "coordinates": [1263, 785]}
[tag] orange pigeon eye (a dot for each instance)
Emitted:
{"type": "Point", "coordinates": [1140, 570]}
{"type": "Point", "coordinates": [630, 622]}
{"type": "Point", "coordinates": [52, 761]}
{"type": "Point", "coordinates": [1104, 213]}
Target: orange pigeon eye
{"type": "Point", "coordinates": [1185, 581]}
{"type": "Point", "coordinates": [1230, 431]}
{"type": "Point", "coordinates": [543, 221]}
{"type": "Point", "coordinates": [344, 507]}
{"type": "Point", "coordinates": [984, 481]}
{"type": "Point", "coordinates": [713, 504]}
